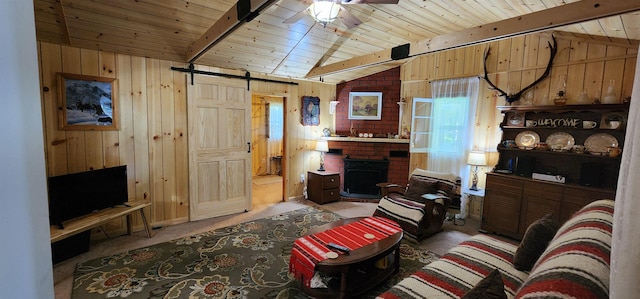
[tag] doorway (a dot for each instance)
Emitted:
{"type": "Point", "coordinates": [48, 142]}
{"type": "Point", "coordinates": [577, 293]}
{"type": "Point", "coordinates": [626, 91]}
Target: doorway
{"type": "Point", "coordinates": [267, 150]}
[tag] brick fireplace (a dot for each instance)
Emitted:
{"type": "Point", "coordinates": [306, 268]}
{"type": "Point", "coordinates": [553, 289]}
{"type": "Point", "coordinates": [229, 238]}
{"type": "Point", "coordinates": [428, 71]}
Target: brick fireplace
{"type": "Point", "coordinates": [397, 155]}
{"type": "Point", "coordinates": [395, 151]}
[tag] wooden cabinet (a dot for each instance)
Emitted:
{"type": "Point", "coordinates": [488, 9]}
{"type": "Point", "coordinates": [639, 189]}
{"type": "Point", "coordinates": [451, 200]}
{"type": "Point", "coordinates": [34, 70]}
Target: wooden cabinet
{"type": "Point", "coordinates": [323, 186]}
{"type": "Point", "coordinates": [539, 199]}
{"type": "Point", "coordinates": [540, 140]}
{"type": "Point", "coordinates": [512, 203]}
{"type": "Point", "coordinates": [501, 208]}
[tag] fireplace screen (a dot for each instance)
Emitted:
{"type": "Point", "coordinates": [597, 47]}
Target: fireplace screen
{"type": "Point", "coordinates": [361, 176]}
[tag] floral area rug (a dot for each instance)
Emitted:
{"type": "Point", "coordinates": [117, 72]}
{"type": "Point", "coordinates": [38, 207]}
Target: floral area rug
{"type": "Point", "coordinates": [247, 260]}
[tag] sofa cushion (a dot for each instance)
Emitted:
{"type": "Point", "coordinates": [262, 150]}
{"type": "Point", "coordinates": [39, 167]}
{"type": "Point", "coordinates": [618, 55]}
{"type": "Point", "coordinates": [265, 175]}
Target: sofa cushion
{"type": "Point", "coordinates": [490, 287]}
{"type": "Point", "coordinates": [576, 262]}
{"type": "Point", "coordinates": [461, 269]}
{"type": "Point", "coordinates": [535, 241]}
{"type": "Point", "coordinates": [419, 186]}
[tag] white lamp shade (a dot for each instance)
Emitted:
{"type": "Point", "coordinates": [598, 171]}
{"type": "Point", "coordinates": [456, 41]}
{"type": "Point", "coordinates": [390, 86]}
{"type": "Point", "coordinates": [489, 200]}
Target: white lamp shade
{"type": "Point", "coordinates": [477, 158]}
{"type": "Point", "coordinates": [322, 146]}
{"type": "Point", "coordinates": [324, 11]}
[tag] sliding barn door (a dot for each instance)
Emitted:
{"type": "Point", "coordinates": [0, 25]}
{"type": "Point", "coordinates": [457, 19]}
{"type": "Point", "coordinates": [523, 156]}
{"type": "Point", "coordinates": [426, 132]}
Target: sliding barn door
{"type": "Point", "coordinates": [219, 142]}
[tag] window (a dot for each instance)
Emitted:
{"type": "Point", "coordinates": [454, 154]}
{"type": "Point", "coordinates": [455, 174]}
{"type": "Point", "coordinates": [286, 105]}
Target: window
{"type": "Point", "coordinates": [441, 126]}
{"type": "Point", "coordinates": [420, 125]}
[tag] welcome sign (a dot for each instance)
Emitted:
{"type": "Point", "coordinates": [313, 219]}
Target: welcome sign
{"type": "Point", "coordinates": [558, 122]}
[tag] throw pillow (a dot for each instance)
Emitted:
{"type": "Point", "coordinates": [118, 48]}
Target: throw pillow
{"type": "Point", "coordinates": [490, 287]}
{"type": "Point", "coordinates": [418, 186]}
{"type": "Point", "coordinates": [535, 241]}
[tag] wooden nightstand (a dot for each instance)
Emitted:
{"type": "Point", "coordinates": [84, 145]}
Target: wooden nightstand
{"type": "Point", "coordinates": [323, 186]}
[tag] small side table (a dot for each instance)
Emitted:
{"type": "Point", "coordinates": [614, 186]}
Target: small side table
{"type": "Point", "coordinates": [472, 199]}
{"type": "Point", "coordinates": [323, 186]}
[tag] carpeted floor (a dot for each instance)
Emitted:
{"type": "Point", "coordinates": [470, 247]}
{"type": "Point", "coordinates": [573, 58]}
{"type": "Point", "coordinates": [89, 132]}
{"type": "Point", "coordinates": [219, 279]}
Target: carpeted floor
{"type": "Point", "coordinates": [245, 260]}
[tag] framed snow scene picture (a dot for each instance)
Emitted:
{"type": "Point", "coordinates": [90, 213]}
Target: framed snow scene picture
{"type": "Point", "coordinates": [87, 102]}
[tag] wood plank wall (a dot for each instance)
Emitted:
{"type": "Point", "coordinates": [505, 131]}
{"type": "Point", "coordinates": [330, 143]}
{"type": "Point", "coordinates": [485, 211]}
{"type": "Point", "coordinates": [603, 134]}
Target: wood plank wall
{"type": "Point", "coordinates": [152, 98]}
{"type": "Point", "coordinates": [152, 139]}
{"type": "Point", "coordinates": [515, 63]}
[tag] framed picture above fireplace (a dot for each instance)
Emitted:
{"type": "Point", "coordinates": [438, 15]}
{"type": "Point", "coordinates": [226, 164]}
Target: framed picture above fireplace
{"type": "Point", "coordinates": [365, 105]}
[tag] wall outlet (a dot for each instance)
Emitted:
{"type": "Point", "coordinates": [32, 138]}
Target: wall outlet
{"type": "Point", "coordinates": [302, 178]}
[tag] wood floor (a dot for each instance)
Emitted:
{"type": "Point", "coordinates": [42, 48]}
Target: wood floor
{"type": "Point", "coordinates": [266, 190]}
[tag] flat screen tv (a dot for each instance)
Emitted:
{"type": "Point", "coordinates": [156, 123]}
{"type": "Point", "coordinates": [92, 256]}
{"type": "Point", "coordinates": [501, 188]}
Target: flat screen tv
{"type": "Point", "coordinates": [78, 194]}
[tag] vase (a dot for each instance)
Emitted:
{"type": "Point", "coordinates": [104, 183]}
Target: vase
{"type": "Point", "coordinates": [610, 97]}
{"type": "Point", "coordinates": [583, 98]}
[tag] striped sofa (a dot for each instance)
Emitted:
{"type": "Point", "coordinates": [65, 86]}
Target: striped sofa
{"type": "Point", "coordinates": [574, 265]}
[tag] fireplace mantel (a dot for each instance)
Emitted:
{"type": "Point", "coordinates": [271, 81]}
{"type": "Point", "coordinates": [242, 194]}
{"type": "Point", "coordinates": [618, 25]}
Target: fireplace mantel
{"type": "Point", "coordinates": [362, 139]}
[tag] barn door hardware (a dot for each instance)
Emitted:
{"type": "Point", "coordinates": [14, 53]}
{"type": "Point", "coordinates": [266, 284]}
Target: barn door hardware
{"type": "Point", "coordinates": [247, 76]}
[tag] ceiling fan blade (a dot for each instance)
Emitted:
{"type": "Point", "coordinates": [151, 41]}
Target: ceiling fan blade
{"type": "Point", "coordinates": [369, 2]}
{"type": "Point", "coordinates": [348, 19]}
{"type": "Point", "coordinates": [296, 17]}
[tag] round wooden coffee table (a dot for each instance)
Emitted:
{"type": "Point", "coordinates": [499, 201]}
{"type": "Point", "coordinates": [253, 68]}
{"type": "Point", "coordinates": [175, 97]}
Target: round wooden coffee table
{"type": "Point", "coordinates": [357, 271]}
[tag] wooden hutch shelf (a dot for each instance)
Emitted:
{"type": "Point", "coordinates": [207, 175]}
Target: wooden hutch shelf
{"type": "Point", "coordinates": [513, 199]}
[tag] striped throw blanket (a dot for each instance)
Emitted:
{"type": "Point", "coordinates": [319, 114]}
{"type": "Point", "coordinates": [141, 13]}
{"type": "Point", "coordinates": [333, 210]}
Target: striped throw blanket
{"type": "Point", "coordinates": [460, 269]}
{"type": "Point", "coordinates": [407, 213]}
{"type": "Point", "coordinates": [574, 265]}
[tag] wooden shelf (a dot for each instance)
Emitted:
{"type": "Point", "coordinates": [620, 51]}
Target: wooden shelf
{"type": "Point", "coordinates": [362, 139]}
{"type": "Point", "coordinates": [95, 219]}
{"type": "Point", "coordinates": [565, 108]}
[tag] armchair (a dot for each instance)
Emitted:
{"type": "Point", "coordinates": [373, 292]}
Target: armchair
{"type": "Point", "coordinates": [420, 208]}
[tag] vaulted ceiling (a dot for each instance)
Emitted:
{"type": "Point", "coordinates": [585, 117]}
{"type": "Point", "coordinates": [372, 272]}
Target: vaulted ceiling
{"type": "Point", "coordinates": [195, 30]}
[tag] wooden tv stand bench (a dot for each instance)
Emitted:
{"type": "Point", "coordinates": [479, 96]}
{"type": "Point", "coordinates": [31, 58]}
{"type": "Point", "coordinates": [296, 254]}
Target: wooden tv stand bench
{"type": "Point", "coordinates": [89, 221]}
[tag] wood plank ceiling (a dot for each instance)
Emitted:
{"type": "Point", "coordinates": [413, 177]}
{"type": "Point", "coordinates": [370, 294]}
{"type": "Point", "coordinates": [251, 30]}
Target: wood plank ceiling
{"type": "Point", "coordinates": [166, 29]}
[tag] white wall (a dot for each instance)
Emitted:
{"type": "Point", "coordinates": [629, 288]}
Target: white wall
{"type": "Point", "coordinates": [25, 252]}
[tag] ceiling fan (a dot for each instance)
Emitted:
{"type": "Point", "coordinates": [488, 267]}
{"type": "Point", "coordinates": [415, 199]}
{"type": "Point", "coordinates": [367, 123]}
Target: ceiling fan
{"type": "Point", "coordinates": [327, 11]}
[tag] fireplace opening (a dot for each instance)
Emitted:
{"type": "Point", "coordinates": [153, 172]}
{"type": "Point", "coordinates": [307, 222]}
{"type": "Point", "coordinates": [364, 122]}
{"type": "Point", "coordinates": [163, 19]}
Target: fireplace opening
{"type": "Point", "coordinates": [362, 175]}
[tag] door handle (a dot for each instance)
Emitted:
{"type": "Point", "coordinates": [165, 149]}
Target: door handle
{"type": "Point", "coordinates": [248, 147]}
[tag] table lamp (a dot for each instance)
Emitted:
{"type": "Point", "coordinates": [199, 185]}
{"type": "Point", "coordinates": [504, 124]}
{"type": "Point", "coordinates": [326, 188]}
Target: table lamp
{"type": "Point", "coordinates": [322, 146]}
{"type": "Point", "coordinates": [476, 158]}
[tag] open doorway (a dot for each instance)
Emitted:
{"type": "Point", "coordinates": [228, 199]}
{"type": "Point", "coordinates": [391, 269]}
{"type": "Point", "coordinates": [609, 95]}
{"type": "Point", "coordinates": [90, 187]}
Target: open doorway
{"type": "Point", "coordinates": [267, 139]}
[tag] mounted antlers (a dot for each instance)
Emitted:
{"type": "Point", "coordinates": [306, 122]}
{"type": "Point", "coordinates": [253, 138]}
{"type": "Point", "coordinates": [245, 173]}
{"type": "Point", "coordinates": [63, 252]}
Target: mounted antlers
{"type": "Point", "coordinates": [553, 49]}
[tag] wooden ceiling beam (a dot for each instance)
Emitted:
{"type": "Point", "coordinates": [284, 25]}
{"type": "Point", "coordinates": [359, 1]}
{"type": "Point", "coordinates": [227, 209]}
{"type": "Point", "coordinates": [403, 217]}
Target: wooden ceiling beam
{"type": "Point", "coordinates": [63, 21]}
{"type": "Point", "coordinates": [241, 12]}
{"type": "Point", "coordinates": [576, 12]}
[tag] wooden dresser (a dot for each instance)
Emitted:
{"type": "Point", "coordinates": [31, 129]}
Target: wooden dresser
{"type": "Point", "coordinates": [323, 186]}
{"type": "Point", "coordinates": [512, 203]}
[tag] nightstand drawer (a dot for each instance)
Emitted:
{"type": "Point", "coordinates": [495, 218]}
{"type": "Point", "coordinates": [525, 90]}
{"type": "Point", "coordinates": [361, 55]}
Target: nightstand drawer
{"type": "Point", "coordinates": [331, 194]}
{"type": "Point", "coordinates": [331, 181]}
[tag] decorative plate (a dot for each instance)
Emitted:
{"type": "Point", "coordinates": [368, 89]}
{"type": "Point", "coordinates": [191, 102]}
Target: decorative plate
{"type": "Point", "coordinates": [527, 139]}
{"type": "Point", "coordinates": [515, 119]}
{"type": "Point", "coordinates": [598, 144]}
{"type": "Point", "coordinates": [560, 141]}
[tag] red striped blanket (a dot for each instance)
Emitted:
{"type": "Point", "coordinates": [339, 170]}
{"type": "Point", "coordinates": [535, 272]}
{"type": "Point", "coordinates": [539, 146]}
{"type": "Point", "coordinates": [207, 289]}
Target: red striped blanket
{"type": "Point", "coordinates": [574, 265]}
{"type": "Point", "coordinates": [309, 250]}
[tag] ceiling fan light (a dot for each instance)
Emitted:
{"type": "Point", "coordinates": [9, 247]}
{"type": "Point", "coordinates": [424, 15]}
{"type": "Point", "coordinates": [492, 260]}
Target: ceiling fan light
{"type": "Point", "coordinates": [324, 11]}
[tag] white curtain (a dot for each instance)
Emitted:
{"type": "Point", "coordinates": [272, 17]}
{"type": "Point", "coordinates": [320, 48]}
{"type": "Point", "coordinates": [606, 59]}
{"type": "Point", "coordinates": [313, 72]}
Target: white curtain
{"type": "Point", "coordinates": [276, 129]}
{"type": "Point", "coordinates": [454, 107]}
{"type": "Point", "coordinates": [625, 251]}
